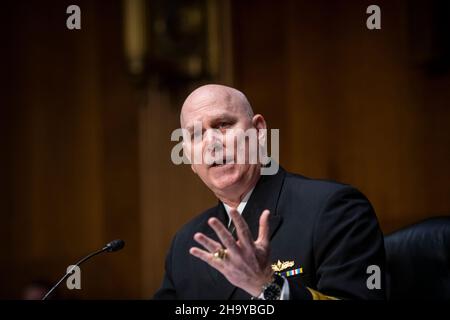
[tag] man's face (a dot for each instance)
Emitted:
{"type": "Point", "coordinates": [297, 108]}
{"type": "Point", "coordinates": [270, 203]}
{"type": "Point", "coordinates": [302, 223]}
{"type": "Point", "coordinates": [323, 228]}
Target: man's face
{"type": "Point", "coordinates": [218, 116]}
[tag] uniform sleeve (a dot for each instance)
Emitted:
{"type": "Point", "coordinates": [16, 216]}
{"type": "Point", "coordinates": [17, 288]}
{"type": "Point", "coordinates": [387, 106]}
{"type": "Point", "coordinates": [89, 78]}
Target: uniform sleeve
{"type": "Point", "coordinates": [167, 290]}
{"type": "Point", "coordinates": [347, 240]}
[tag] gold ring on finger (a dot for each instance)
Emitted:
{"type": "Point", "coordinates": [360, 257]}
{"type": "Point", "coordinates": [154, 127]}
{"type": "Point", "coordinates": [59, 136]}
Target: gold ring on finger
{"type": "Point", "coordinates": [220, 254]}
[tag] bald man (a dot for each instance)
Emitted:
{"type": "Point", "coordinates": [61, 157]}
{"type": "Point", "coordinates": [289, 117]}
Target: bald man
{"type": "Point", "coordinates": [270, 237]}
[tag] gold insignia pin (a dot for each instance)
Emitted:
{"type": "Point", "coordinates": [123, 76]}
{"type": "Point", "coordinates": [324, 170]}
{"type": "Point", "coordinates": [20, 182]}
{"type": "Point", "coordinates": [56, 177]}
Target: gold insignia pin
{"type": "Point", "coordinates": [280, 266]}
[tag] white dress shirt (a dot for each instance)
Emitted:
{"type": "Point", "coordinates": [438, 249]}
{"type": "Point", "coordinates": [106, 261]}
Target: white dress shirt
{"type": "Point", "coordinates": [240, 208]}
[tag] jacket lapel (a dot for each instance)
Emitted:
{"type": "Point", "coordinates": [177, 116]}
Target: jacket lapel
{"type": "Point", "coordinates": [264, 196]}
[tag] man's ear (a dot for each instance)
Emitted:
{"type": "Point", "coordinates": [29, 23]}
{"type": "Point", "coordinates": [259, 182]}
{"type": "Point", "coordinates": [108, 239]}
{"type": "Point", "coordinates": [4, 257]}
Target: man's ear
{"type": "Point", "coordinates": [259, 123]}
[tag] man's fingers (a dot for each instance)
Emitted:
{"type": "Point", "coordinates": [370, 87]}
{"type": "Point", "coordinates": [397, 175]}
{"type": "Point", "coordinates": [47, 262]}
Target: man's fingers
{"type": "Point", "coordinates": [263, 235]}
{"type": "Point", "coordinates": [207, 257]}
{"type": "Point", "coordinates": [224, 235]}
{"type": "Point", "coordinates": [211, 245]}
{"type": "Point", "coordinates": [242, 229]}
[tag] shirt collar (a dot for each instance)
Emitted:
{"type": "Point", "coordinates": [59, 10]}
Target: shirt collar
{"type": "Point", "coordinates": [240, 208]}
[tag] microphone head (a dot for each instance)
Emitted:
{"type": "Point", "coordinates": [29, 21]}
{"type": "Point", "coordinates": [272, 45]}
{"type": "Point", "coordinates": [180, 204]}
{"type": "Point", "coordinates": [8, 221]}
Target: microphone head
{"type": "Point", "coordinates": [115, 245]}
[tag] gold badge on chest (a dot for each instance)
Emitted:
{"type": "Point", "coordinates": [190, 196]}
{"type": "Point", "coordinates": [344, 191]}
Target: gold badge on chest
{"type": "Point", "coordinates": [280, 266]}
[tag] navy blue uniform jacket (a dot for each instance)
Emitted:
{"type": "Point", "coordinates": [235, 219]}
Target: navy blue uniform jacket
{"type": "Point", "coordinates": [327, 229]}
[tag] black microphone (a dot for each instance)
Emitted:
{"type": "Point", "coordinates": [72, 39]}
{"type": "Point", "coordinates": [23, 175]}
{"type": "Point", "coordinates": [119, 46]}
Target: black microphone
{"type": "Point", "coordinates": [112, 246]}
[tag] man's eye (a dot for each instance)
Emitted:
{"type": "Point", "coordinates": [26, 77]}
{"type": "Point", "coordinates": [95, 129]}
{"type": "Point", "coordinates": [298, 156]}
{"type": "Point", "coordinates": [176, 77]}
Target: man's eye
{"type": "Point", "coordinates": [223, 125]}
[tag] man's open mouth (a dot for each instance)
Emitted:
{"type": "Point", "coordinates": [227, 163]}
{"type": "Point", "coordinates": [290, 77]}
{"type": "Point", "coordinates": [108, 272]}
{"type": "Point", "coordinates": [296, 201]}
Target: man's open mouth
{"type": "Point", "coordinates": [221, 164]}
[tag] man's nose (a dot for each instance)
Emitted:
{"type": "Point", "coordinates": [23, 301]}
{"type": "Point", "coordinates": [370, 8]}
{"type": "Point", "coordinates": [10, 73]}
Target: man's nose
{"type": "Point", "coordinates": [212, 137]}
{"type": "Point", "coordinates": [213, 140]}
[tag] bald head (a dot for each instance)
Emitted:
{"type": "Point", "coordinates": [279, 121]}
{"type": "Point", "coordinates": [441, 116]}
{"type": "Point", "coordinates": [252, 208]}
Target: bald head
{"type": "Point", "coordinates": [214, 117]}
{"type": "Point", "coordinates": [213, 95]}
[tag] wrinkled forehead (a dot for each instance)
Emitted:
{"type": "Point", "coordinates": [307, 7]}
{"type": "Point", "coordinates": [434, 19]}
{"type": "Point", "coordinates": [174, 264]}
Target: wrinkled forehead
{"type": "Point", "coordinates": [208, 107]}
